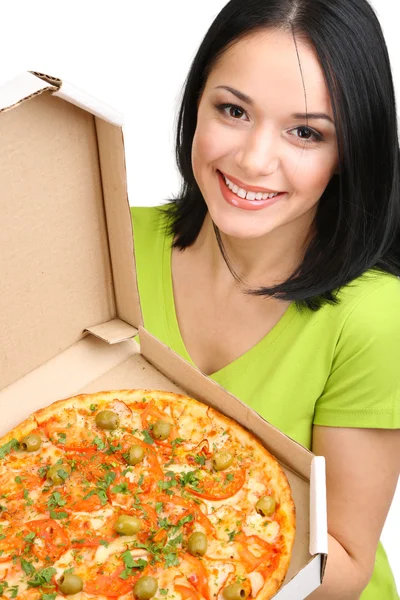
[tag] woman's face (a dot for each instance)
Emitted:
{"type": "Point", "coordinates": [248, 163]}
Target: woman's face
{"type": "Point", "coordinates": [252, 130]}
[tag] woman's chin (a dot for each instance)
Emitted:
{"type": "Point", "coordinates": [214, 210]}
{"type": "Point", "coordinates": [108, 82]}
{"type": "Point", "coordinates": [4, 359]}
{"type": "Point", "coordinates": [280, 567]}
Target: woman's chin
{"type": "Point", "coordinates": [236, 226]}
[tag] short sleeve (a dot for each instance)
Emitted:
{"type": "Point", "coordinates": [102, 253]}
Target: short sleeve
{"type": "Point", "coordinates": [363, 388]}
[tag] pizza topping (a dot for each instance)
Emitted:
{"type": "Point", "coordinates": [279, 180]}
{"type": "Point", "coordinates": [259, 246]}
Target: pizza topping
{"type": "Point", "coordinates": [31, 442]}
{"type": "Point", "coordinates": [161, 430]}
{"type": "Point", "coordinates": [197, 574]}
{"type": "Point", "coordinates": [187, 593]}
{"type": "Point", "coordinates": [222, 460]}
{"type": "Point", "coordinates": [236, 591]}
{"type": "Point", "coordinates": [197, 544]}
{"type": "Point", "coordinates": [107, 419]}
{"type": "Point", "coordinates": [218, 487]}
{"type": "Point", "coordinates": [136, 455]}
{"type": "Point", "coordinates": [70, 584]}
{"type": "Point", "coordinates": [266, 506]}
{"type": "Point", "coordinates": [257, 582]}
{"type": "Point", "coordinates": [58, 473]}
{"type": "Point", "coordinates": [145, 588]}
{"type": "Point", "coordinates": [51, 540]}
{"type": "Point", "coordinates": [127, 525]}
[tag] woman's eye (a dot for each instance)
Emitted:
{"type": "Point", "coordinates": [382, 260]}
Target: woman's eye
{"type": "Point", "coordinates": [307, 134]}
{"type": "Point", "coordinates": [232, 111]}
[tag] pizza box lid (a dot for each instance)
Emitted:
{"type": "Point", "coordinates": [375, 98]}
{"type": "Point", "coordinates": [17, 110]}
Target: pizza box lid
{"type": "Point", "coordinates": [69, 302]}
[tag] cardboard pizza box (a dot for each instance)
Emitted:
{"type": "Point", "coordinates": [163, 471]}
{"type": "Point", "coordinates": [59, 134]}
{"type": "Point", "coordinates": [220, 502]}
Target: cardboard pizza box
{"type": "Point", "coordinates": [69, 303]}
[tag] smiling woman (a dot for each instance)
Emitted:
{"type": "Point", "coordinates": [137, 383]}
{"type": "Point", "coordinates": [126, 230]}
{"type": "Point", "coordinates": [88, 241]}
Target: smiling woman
{"type": "Point", "coordinates": [275, 271]}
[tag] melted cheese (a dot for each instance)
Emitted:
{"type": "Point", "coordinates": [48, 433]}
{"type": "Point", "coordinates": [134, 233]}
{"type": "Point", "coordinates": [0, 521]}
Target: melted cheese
{"type": "Point", "coordinates": [258, 525]}
{"type": "Point", "coordinates": [118, 546]}
{"type": "Point", "coordinates": [219, 573]}
{"type": "Point", "coordinates": [257, 581]}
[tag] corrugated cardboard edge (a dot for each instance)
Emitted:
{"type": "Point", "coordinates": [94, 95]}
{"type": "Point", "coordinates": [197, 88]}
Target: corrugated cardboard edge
{"type": "Point", "coordinates": [78, 97]}
{"type": "Point", "coordinates": [22, 88]}
{"type": "Point", "coordinates": [113, 332]}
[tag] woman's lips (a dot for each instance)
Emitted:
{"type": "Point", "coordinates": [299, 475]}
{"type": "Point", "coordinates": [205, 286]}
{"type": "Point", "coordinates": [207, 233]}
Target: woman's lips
{"type": "Point", "coordinates": [234, 200]}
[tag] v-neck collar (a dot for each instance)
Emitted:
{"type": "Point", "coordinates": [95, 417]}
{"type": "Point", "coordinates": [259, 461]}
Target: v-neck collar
{"type": "Point", "coordinates": [174, 333]}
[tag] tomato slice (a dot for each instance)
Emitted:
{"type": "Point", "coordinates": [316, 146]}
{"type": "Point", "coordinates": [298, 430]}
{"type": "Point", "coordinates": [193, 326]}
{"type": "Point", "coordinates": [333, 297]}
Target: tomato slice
{"type": "Point", "coordinates": [13, 542]}
{"type": "Point", "coordinates": [220, 487]}
{"type": "Point", "coordinates": [12, 485]}
{"type": "Point", "coordinates": [198, 576]}
{"type": "Point", "coordinates": [55, 538]}
{"type": "Point", "coordinates": [186, 592]}
{"type": "Point", "coordinates": [191, 507]}
{"type": "Point", "coordinates": [112, 585]}
{"type": "Point", "coordinates": [266, 563]}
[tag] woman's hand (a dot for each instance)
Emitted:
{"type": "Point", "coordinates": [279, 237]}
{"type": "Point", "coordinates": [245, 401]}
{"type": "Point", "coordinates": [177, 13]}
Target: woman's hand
{"type": "Point", "coordinates": [362, 467]}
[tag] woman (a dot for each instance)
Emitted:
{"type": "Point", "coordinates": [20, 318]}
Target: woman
{"type": "Point", "coordinates": [277, 272]}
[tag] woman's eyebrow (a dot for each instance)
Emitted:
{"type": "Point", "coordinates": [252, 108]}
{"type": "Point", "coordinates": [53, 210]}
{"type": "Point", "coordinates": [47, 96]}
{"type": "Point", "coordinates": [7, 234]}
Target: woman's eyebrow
{"type": "Point", "coordinates": [236, 93]}
{"type": "Point", "coordinates": [312, 116]}
{"type": "Point", "coordinates": [250, 102]}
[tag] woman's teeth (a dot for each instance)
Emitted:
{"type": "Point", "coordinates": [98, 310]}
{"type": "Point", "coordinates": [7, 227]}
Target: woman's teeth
{"type": "Point", "coordinates": [248, 195]}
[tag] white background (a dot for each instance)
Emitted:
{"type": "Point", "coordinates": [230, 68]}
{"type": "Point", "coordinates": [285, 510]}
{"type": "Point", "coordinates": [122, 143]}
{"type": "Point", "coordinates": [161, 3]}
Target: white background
{"type": "Point", "coordinates": [135, 55]}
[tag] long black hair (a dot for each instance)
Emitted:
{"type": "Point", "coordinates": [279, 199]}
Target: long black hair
{"type": "Point", "coordinates": [357, 226]}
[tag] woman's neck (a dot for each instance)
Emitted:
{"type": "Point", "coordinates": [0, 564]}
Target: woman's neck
{"type": "Point", "coordinates": [263, 261]}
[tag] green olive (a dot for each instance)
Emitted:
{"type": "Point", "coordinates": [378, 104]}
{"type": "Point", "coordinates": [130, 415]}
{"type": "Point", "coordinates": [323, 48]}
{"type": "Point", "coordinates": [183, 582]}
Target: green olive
{"type": "Point", "coordinates": [136, 454]}
{"type": "Point", "coordinates": [235, 591]}
{"type": "Point", "coordinates": [127, 525]}
{"type": "Point", "coordinates": [266, 506]}
{"type": "Point", "coordinates": [145, 588]}
{"type": "Point", "coordinates": [197, 544]}
{"type": "Point", "coordinates": [222, 460]}
{"type": "Point", "coordinates": [107, 419]}
{"type": "Point", "coordinates": [57, 474]}
{"type": "Point", "coordinates": [70, 584]}
{"type": "Point", "coordinates": [161, 430]}
{"type": "Point", "coordinates": [31, 442]}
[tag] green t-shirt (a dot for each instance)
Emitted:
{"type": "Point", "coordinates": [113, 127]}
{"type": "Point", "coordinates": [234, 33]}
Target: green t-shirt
{"type": "Point", "coordinates": [337, 366]}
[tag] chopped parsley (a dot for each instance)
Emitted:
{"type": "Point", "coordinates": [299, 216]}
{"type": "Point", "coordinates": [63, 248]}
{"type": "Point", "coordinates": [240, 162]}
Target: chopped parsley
{"type": "Point", "coordinates": [56, 500]}
{"type": "Point", "coordinates": [101, 489]}
{"type": "Point", "coordinates": [121, 488]}
{"type": "Point", "coordinates": [147, 437]}
{"type": "Point", "coordinates": [42, 577]}
{"type": "Point", "coordinates": [93, 407]}
{"type": "Point", "coordinates": [27, 567]}
{"type": "Point", "coordinates": [99, 443]}
{"type": "Point", "coordinates": [232, 535]}
{"type": "Point", "coordinates": [200, 459]}
{"type": "Point", "coordinates": [6, 448]}
{"type": "Point", "coordinates": [130, 564]}
{"type": "Point", "coordinates": [58, 515]}
{"type": "Point", "coordinates": [62, 437]}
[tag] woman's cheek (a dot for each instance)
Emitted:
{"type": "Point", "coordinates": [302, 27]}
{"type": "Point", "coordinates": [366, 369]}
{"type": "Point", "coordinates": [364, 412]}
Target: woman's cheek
{"type": "Point", "coordinates": [310, 174]}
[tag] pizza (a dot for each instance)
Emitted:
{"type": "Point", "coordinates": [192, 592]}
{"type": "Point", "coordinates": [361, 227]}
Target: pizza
{"type": "Point", "coordinates": [140, 494]}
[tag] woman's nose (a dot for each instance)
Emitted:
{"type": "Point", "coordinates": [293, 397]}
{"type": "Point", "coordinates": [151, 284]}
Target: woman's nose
{"type": "Point", "coordinates": [259, 154]}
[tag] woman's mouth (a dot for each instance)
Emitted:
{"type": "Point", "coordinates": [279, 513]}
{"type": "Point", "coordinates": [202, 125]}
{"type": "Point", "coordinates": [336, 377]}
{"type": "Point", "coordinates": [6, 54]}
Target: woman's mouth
{"type": "Point", "coordinates": [246, 199]}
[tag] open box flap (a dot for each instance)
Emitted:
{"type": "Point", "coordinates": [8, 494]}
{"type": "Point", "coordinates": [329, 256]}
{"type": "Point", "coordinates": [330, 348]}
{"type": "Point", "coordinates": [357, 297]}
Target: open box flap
{"type": "Point", "coordinates": [66, 237]}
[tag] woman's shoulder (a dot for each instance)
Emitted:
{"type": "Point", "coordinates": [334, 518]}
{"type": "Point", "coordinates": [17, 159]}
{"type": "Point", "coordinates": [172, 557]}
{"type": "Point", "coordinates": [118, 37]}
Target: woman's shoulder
{"type": "Point", "coordinates": [374, 295]}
